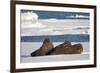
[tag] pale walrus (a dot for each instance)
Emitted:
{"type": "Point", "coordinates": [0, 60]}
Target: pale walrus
{"type": "Point", "coordinates": [45, 48]}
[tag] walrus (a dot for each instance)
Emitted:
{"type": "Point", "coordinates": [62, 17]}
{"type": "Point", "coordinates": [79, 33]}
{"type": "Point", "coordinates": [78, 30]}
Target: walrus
{"type": "Point", "coordinates": [66, 48]}
{"type": "Point", "coordinates": [60, 49]}
{"type": "Point", "coordinates": [76, 49]}
{"type": "Point", "coordinates": [45, 48]}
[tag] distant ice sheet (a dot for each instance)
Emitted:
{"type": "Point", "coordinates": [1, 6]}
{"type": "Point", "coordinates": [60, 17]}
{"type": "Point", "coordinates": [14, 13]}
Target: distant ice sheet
{"type": "Point", "coordinates": [56, 27]}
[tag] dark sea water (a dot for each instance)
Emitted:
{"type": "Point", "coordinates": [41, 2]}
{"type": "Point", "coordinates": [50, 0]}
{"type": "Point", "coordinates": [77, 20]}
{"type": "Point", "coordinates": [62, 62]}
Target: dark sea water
{"type": "Point", "coordinates": [56, 14]}
{"type": "Point", "coordinates": [57, 38]}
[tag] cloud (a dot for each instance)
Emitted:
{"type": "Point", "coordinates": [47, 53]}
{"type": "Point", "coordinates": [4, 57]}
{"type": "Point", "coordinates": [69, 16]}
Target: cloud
{"type": "Point", "coordinates": [77, 16]}
{"type": "Point", "coordinates": [30, 19]}
{"type": "Point", "coordinates": [29, 16]}
{"type": "Point", "coordinates": [81, 16]}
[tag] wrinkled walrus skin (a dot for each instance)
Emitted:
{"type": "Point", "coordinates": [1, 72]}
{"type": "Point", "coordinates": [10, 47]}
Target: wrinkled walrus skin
{"type": "Point", "coordinates": [66, 48]}
{"type": "Point", "coordinates": [60, 49]}
{"type": "Point", "coordinates": [45, 48]}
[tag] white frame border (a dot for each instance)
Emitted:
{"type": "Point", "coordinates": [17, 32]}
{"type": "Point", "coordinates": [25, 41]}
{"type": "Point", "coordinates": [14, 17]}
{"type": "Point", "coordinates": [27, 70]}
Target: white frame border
{"type": "Point", "coordinates": [52, 64]}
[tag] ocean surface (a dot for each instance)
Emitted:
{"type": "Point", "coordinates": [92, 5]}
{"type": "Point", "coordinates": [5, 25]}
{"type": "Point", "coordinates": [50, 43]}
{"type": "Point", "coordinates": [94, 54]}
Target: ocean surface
{"type": "Point", "coordinates": [58, 14]}
{"type": "Point", "coordinates": [57, 38]}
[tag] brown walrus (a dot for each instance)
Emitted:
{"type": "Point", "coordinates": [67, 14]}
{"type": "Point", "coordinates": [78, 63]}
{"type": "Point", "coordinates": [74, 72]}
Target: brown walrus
{"type": "Point", "coordinates": [77, 49]}
{"type": "Point", "coordinates": [66, 48]}
{"type": "Point", "coordinates": [60, 49]}
{"type": "Point", "coordinates": [45, 48]}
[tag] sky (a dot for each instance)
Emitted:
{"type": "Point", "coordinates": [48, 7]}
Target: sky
{"type": "Point", "coordinates": [58, 14]}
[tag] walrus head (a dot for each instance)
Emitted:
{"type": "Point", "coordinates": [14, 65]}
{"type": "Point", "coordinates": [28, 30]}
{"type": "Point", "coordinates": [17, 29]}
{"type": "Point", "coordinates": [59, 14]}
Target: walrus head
{"type": "Point", "coordinates": [77, 48]}
{"type": "Point", "coordinates": [47, 40]}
